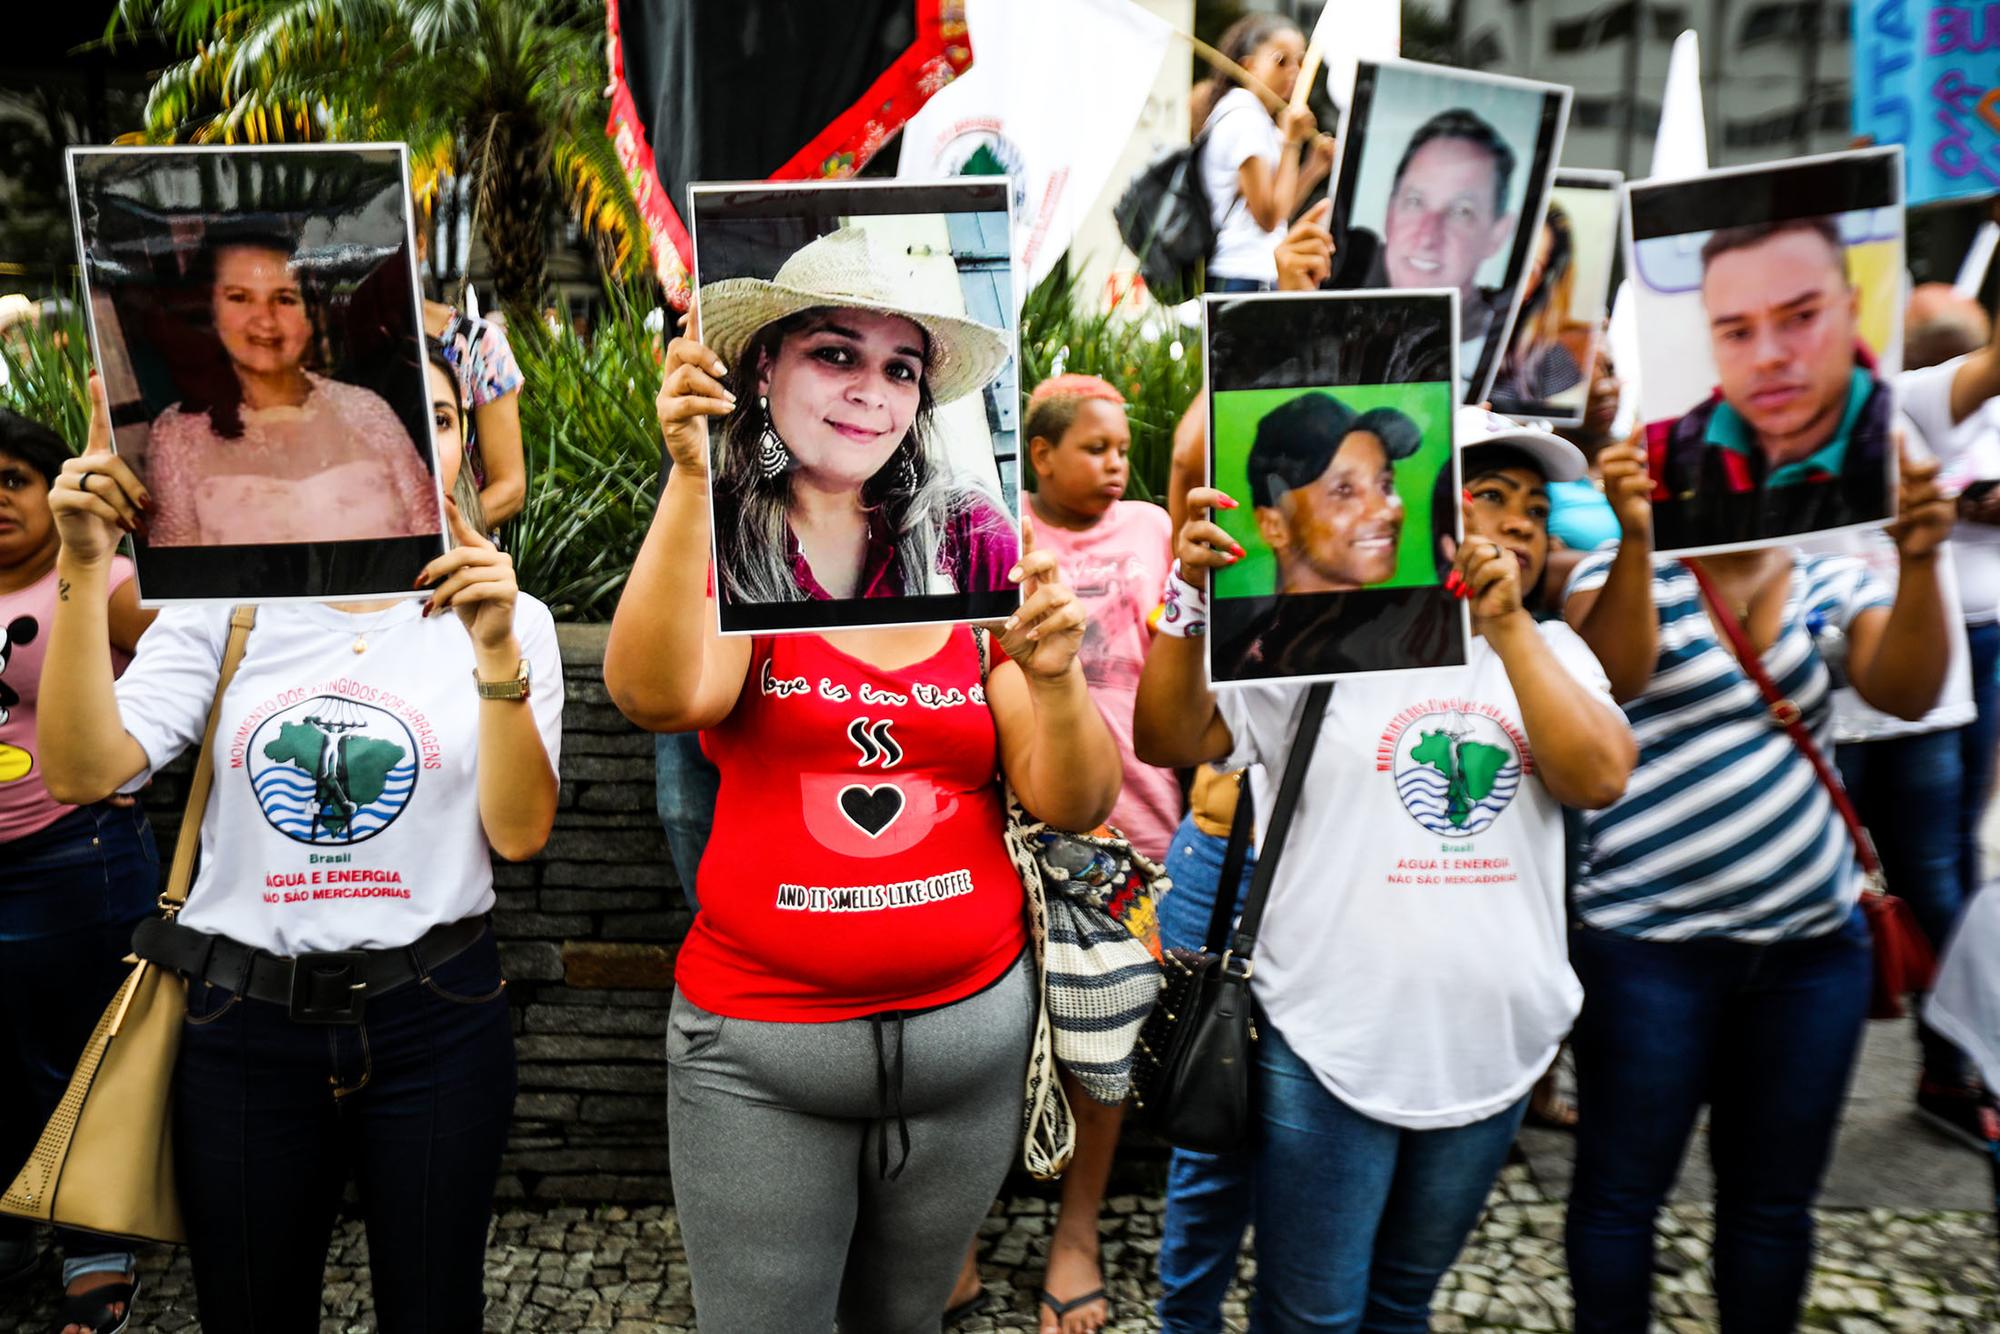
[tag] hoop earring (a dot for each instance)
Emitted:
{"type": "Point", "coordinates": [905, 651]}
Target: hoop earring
{"type": "Point", "coordinates": [772, 456]}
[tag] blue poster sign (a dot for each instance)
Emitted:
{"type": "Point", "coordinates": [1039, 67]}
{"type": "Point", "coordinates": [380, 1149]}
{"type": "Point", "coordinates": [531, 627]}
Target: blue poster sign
{"type": "Point", "coordinates": [1927, 76]}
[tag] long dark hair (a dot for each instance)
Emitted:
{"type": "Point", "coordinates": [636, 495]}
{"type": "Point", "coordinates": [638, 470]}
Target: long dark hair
{"type": "Point", "coordinates": [464, 492]}
{"type": "Point", "coordinates": [1239, 42]}
{"type": "Point", "coordinates": [207, 378]}
{"type": "Point", "coordinates": [914, 492]}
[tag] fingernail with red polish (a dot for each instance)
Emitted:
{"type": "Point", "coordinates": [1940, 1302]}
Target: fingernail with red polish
{"type": "Point", "coordinates": [1468, 496]}
{"type": "Point", "coordinates": [1226, 502]}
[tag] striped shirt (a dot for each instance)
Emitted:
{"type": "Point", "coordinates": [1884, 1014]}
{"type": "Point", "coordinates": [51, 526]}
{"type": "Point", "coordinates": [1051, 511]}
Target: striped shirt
{"type": "Point", "coordinates": [1724, 829]}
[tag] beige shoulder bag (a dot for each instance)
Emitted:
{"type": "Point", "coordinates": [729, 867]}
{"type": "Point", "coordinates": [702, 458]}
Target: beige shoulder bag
{"type": "Point", "coordinates": [105, 1162]}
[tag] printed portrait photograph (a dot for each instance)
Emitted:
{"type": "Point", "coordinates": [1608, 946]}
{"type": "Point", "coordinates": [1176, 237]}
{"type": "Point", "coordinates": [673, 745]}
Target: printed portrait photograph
{"type": "Point", "coordinates": [1330, 425]}
{"type": "Point", "coordinates": [1545, 368]}
{"type": "Point", "coordinates": [868, 474]}
{"type": "Point", "coordinates": [254, 314]}
{"type": "Point", "coordinates": [1769, 306]}
{"type": "Point", "coordinates": [1442, 178]}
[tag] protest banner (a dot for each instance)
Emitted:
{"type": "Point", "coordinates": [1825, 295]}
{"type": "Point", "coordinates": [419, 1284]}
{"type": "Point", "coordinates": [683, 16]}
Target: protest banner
{"type": "Point", "coordinates": [1927, 76]}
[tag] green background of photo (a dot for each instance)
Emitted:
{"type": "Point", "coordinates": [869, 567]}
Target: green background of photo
{"type": "Point", "coordinates": [1236, 413]}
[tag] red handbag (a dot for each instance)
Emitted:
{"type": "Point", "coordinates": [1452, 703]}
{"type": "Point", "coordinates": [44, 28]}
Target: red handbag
{"type": "Point", "coordinates": [1904, 961]}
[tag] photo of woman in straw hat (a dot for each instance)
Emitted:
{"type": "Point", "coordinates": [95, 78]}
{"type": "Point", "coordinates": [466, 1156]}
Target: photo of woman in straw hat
{"type": "Point", "coordinates": [841, 494]}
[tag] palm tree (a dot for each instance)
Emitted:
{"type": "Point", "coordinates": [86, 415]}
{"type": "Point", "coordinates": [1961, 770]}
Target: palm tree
{"type": "Point", "coordinates": [507, 95]}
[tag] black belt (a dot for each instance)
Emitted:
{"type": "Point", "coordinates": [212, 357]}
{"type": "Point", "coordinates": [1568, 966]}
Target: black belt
{"type": "Point", "coordinates": [319, 988]}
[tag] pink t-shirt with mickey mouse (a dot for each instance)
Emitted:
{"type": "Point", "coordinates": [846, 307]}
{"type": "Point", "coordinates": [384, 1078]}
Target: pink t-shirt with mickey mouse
{"type": "Point", "coordinates": [25, 804]}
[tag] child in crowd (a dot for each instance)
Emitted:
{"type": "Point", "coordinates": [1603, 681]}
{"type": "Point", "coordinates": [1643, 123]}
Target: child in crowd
{"type": "Point", "coordinates": [1114, 553]}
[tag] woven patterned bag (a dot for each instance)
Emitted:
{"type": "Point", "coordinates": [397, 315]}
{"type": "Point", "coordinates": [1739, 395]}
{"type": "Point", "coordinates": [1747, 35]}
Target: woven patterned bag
{"type": "Point", "coordinates": [1101, 974]}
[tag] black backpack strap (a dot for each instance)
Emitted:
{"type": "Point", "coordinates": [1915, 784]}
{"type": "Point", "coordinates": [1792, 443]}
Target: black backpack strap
{"type": "Point", "coordinates": [1223, 915]}
{"type": "Point", "coordinates": [1304, 740]}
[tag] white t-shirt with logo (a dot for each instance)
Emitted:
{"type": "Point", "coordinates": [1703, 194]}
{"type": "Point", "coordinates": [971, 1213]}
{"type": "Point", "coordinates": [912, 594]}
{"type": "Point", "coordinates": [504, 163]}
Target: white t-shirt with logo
{"type": "Point", "coordinates": [345, 811]}
{"type": "Point", "coordinates": [1414, 950]}
{"type": "Point", "coordinates": [1240, 129]}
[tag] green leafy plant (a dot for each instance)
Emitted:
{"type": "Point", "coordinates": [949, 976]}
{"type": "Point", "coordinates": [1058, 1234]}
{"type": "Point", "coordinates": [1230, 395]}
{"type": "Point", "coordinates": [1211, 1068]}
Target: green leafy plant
{"type": "Point", "coordinates": [593, 451]}
{"type": "Point", "coordinates": [505, 94]}
{"type": "Point", "coordinates": [1140, 348]}
{"type": "Point", "coordinates": [48, 369]}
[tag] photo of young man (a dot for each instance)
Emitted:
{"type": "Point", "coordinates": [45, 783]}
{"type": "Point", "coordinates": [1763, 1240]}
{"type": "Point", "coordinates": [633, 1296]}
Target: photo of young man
{"type": "Point", "coordinates": [1768, 302]}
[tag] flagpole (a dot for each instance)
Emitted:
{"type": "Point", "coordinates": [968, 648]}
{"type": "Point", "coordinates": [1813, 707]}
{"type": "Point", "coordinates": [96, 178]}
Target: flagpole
{"type": "Point", "coordinates": [1235, 71]}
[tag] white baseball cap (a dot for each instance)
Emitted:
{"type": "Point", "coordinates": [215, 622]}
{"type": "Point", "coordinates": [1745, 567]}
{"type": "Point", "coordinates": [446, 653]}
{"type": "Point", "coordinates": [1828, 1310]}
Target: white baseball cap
{"type": "Point", "coordinates": [1560, 460]}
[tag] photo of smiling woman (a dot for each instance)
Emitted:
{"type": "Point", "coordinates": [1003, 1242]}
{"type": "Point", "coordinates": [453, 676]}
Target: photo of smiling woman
{"type": "Point", "coordinates": [254, 314]}
{"type": "Point", "coordinates": [266, 450]}
{"type": "Point", "coordinates": [1331, 418]}
{"type": "Point", "coordinates": [839, 500]}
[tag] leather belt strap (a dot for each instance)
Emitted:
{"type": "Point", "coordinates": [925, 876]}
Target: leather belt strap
{"type": "Point", "coordinates": [264, 976]}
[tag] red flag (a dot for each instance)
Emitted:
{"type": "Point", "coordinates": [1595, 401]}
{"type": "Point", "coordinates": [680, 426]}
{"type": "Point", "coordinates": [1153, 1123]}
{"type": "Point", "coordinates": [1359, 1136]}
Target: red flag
{"type": "Point", "coordinates": [764, 89]}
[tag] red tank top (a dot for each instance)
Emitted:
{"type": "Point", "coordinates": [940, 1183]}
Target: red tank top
{"type": "Point", "coordinates": [857, 863]}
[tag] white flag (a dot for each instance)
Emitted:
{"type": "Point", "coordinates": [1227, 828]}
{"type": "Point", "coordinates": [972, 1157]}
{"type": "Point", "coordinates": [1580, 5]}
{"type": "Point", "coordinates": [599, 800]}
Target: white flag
{"type": "Point", "coordinates": [1054, 91]}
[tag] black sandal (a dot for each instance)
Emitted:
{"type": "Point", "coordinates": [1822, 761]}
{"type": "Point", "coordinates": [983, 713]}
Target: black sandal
{"type": "Point", "coordinates": [92, 1309]}
{"type": "Point", "coordinates": [971, 1306]}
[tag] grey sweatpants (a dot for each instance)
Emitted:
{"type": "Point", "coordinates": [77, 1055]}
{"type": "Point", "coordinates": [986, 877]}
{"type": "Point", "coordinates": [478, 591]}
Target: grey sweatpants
{"type": "Point", "coordinates": [797, 1203]}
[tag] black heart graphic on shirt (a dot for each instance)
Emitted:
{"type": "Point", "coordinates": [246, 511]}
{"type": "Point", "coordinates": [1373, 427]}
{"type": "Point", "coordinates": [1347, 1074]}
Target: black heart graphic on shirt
{"type": "Point", "coordinates": [871, 809]}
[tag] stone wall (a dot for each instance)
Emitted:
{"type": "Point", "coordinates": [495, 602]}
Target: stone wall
{"type": "Point", "coordinates": [588, 932]}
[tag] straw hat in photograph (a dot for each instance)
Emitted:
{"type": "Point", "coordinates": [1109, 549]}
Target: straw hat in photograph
{"type": "Point", "coordinates": [845, 269]}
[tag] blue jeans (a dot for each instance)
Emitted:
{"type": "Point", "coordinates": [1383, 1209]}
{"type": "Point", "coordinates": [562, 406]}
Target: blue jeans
{"type": "Point", "coordinates": [1976, 745]}
{"type": "Point", "coordinates": [1909, 792]}
{"type": "Point", "coordinates": [1357, 1220]}
{"type": "Point", "coordinates": [271, 1118]}
{"type": "Point", "coordinates": [684, 786]}
{"type": "Point", "coordinates": [1209, 1196]}
{"type": "Point", "coordinates": [70, 895]}
{"type": "Point", "coordinates": [1765, 1035]}
{"type": "Point", "coordinates": [1237, 285]}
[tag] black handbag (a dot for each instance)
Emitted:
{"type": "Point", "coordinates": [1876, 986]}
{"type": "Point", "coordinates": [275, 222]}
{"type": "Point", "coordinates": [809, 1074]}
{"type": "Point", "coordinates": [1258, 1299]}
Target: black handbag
{"type": "Point", "coordinates": [1195, 1068]}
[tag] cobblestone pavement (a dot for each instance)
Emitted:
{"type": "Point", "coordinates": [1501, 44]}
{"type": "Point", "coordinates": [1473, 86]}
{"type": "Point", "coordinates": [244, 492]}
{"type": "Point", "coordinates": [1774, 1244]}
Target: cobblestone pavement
{"type": "Point", "coordinates": [622, 1269]}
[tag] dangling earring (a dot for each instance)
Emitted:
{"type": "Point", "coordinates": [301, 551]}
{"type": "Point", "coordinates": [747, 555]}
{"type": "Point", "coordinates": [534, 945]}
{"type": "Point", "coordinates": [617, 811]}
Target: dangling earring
{"type": "Point", "coordinates": [906, 470]}
{"type": "Point", "coordinates": [772, 456]}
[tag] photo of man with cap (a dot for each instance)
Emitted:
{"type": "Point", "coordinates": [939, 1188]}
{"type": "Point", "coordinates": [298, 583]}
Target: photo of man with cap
{"type": "Point", "coordinates": [1323, 480]}
{"type": "Point", "coordinates": [1329, 489]}
{"type": "Point", "coordinates": [1795, 436]}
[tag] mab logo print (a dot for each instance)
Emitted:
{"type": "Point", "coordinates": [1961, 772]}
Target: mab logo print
{"type": "Point", "coordinates": [332, 770]}
{"type": "Point", "coordinates": [1455, 772]}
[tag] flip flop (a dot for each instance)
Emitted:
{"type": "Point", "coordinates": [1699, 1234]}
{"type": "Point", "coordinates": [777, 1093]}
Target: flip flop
{"type": "Point", "coordinates": [971, 1306]}
{"type": "Point", "coordinates": [1064, 1308]}
{"type": "Point", "coordinates": [92, 1309]}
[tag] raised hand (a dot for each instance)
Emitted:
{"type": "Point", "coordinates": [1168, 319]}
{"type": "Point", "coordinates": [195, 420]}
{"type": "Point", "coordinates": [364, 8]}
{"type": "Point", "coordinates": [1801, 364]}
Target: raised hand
{"type": "Point", "coordinates": [1305, 256]}
{"type": "Point", "coordinates": [691, 391]}
{"type": "Point", "coordinates": [1045, 634]}
{"type": "Point", "coordinates": [1923, 514]}
{"type": "Point", "coordinates": [1489, 576]}
{"type": "Point", "coordinates": [476, 579]}
{"type": "Point", "coordinates": [1203, 545]}
{"type": "Point", "coordinates": [97, 498]}
{"type": "Point", "coordinates": [1628, 486]}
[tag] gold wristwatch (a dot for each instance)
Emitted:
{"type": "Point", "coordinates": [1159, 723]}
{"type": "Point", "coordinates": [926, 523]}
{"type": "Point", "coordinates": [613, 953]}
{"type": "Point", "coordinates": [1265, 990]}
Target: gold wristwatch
{"type": "Point", "coordinates": [514, 688]}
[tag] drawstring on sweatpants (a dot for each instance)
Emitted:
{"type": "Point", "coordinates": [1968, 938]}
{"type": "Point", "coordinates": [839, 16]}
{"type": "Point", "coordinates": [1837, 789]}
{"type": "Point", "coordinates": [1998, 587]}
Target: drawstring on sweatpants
{"type": "Point", "coordinates": [889, 1092]}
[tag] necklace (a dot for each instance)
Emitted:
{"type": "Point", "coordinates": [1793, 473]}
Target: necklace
{"type": "Point", "coordinates": [360, 644]}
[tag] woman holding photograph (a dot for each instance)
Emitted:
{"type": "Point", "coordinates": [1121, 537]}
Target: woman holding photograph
{"type": "Point", "coordinates": [853, 1007]}
{"type": "Point", "coordinates": [829, 466]}
{"type": "Point", "coordinates": [358, 1029]}
{"type": "Point", "coordinates": [1250, 161]}
{"type": "Point", "coordinates": [1409, 1000]}
{"type": "Point", "coordinates": [1724, 956]}
{"type": "Point", "coordinates": [262, 450]}
{"type": "Point", "coordinates": [1539, 365]}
